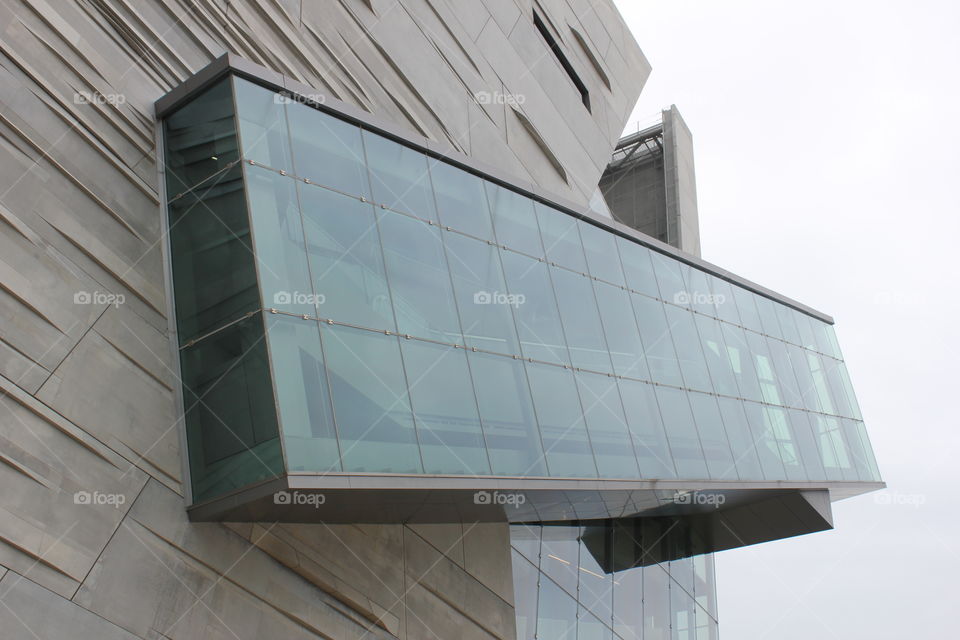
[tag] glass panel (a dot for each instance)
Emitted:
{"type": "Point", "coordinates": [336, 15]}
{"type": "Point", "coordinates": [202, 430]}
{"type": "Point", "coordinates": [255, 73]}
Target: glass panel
{"type": "Point", "coordinates": [444, 409]}
{"type": "Point", "coordinates": [370, 401]}
{"type": "Point", "coordinates": [826, 339]}
{"type": "Point", "coordinates": [486, 309]}
{"type": "Point", "coordinates": [820, 385]}
{"type": "Point", "coordinates": [723, 300]}
{"type": "Point", "coordinates": [514, 220]}
{"type": "Point", "coordinates": [560, 556]}
{"type": "Point", "coordinates": [669, 278]}
{"type": "Point", "coordinates": [229, 410]}
{"type": "Point", "coordinates": [809, 452]}
{"type": "Point", "coordinates": [868, 451]}
{"type": "Point", "coordinates": [646, 425]}
{"type": "Point", "coordinates": [538, 320]}
{"type": "Point", "coordinates": [327, 150]}
{"type": "Point", "coordinates": [603, 259]}
{"type": "Point", "coordinates": [399, 177]}
{"type": "Point", "coordinates": [769, 388]}
{"type": "Point", "coordinates": [661, 356]}
{"type": "Point", "coordinates": [581, 320]}
{"type": "Point", "coordinates": [607, 426]}
{"type": "Point", "coordinates": [699, 296]}
{"type": "Point", "coordinates": [560, 416]}
{"type": "Point", "coordinates": [596, 586]}
{"type": "Point", "coordinates": [525, 579]}
{"type": "Point", "coordinates": [589, 627]}
{"type": "Point", "coordinates": [620, 329]}
{"type": "Point", "coordinates": [201, 138]}
{"type": "Point", "coordinates": [763, 437]}
{"type": "Point", "coordinates": [741, 440]}
{"type": "Point", "coordinates": [747, 309]}
{"type": "Point", "coordinates": [716, 447]}
{"type": "Point", "coordinates": [507, 415]}
{"type": "Point", "coordinates": [717, 356]}
{"type": "Point", "coordinates": [682, 433]}
{"type": "Point", "coordinates": [628, 603]}
{"type": "Point", "coordinates": [686, 340]}
{"type": "Point", "coordinates": [461, 200]}
{"type": "Point", "coordinates": [300, 382]}
{"type": "Point", "coordinates": [278, 240]}
{"type": "Point", "coordinates": [786, 379]}
{"type": "Point", "coordinates": [525, 538]}
{"type": "Point", "coordinates": [656, 603]}
{"type": "Point", "coordinates": [787, 323]}
{"type": "Point", "coordinates": [859, 447]}
{"type": "Point", "coordinates": [833, 450]}
{"type": "Point", "coordinates": [561, 238]}
{"type": "Point", "coordinates": [346, 262]}
{"type": "Point", "coordinates": [789, 452]}
{"type": "Point", "coordinates": [801, 367]}
{"type": "Point", "coordinates": [214, 277]}
{"type": "Point", "coordinates": [419, 278]}
{"type": "Point", "coordinates": [557, 612]}
{"type": "Point", "coordinates": [804, 326]}
{"type": "Point", "coordinates": [263, 125]}
{"type": "Point", "coordinates": [741, 362]}
{"type": "Point", "coordinates": [768, 316]}
{"type": "Point", "coordinates": [637, 267]}
{"type": "Point", "coordinates": [682, 609]}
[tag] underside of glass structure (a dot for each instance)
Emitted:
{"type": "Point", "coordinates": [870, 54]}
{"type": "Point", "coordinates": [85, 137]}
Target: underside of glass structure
{"type": "Point", "coordinates": [374, 330]}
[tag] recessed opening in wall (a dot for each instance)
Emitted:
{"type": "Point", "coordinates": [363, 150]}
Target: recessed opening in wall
{"type": "Point", "coordinates": [562, 59]}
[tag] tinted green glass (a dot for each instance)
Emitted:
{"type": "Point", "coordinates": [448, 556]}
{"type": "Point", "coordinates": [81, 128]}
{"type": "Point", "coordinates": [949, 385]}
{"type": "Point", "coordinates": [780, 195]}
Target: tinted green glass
{"type": "Point", "coordinates": [826, 339]}
{"type": "Point", "coordinates": [637, 267]}
{"type": "Point", "coordinates": [805, 382]}
{"type": "Point", "coordinates": [262, 117]}
{"type": "Point", "coordinates": [807, 443]}
{"type": "Point", "coordinates": [741, 362]}
{"type": "Point", "coordinates": [560, 416]}
{"type": "Point", "coordinates": [327, 150]}
{"type": "Point", "coordinates": [486, 309]}
{"type": "Point", "coordinates": [686, 341]}
{"type": "Point", "coordinates": [860, 452]}
{"type": "Point", "coordinates": [786, 443]}
{"type": "Point", "coordinates": [788, 324]}
{"type": "Point", "coordinates": [765, 440]}
{"type": "Point", "coordinates": [538, 319]}
{"type": "Point", "coordinates": [682, 433]}
{"type": "Point", "coordinates": [214, 277]}
{"type": "Point", "coordinates": [840, 393]}
{"type": "Point", "coordinates": [836, 461]}
{"type": "Point", "coordinates": [699, 296]}
{"type": "Point", "coordinates": [805, 327]}
{"type": "Point", "coordinates": [300, 384]}
{"type": "Point", "coordinates": [230, 413]}
{"type": "Point", "coordinates": [419, 278]}
{"type": "Point", "coordinates": [603, 259]}
{"type": "Point", "coordinates": [201, 138]}
{"type": "Point", "coordinates": [717, 356]}
{"type": "Point", "coordinates": [713, 437]}
{"type": "Point", "coordinates": [399, 177]}
{"type": "Point", "coordinates": [766, 375]}
{"type": "Point", "coordinates": [561, 238]}
{"type": "Point", "coordinates": [603, 412]}
{"type": "Point", "coordinates": [646, 426]}
{"type": "Point", "coordinates": [620, 329]}
{"type": "Point", "coordinates": [279, 242]}
{"type": "Point", "coordinates": [370, 401]}
{"type": "Point", "coordinates": [786, 378]}
{"type": "Point", "coordinates": [723, 300]}
{"type": "Point", "coordinates": [868, 451]}
{"type": "Point", "coordinates": [581, 320]}
{"type": "Point", "coordinates": [506, 410]}
{"type": "Point", "coordinates": [445, 409]}
{"type": "Point", "coordinates": [461, 200]}
{"type": "Point", "coordinates": [657, 341]}
{"type": "Point", "coordinates": [669, 278]}
{"type": "Point", "coordinates": [747, 309]}
{"type": "Point", "coordinates": [514, 220]}
{"type": "Point", "coordinates": [346, 263]}
{"type": "Point", "coordinates": [741, 440]}
{"type": "Point", "coordinates": [768, 316]}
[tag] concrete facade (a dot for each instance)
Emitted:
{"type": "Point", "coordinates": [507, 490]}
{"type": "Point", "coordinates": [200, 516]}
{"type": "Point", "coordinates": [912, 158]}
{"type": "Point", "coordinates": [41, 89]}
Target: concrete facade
{"type": "Point", "coordinates": [94, 538]}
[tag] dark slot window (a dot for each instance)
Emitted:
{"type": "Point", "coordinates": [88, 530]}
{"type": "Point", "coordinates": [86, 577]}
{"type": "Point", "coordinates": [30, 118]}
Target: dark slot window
{"type": "Point", "coordinates": [562, 59]}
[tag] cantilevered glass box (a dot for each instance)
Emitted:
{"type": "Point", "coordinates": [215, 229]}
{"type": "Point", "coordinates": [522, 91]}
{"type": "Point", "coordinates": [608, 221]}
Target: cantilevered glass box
{"type": "Point", "coordinates": [365, 318]}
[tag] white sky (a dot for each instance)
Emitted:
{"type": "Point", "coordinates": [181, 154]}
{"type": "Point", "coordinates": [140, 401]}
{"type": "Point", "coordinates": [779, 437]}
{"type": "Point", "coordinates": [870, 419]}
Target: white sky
{"type": "Point", "coordinates": [826, 141]}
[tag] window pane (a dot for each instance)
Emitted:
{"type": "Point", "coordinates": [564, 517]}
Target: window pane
{"type": "Point", "coordinates": [646, 425]}
{"type": "Point", "coordinates": [747, 309]}
{"type": "Point", "coordinates": [860, 451]}
{"type": "Point", "coordinates": [638, 267]}
{"type": "Point", "coordinates": [581, 320]}
{"type": "Point", "coordinates": [560, 556]}
{"type": "Point", "coordinates": [620, 329]}
{"type": "Point", "coordinates": [370, 401]}
{"type": "Point", "coordinates": [820, 384]}
{"type": "Point", "coordinates": [596, 586]}
{"type": "Point", "coordinates": [766, 375]}
{"type": "Point", "coordinates": [657, 341]}
{"type": "Point", "coordinates": [786, 379]}
{"type": "Point", "coordinates": [445, 409]}
{"type": "Point", "coordinates": [561, 238]}
{"type": "Point", "coordinates": [461, 200]}
{"type": "Point", "coordinates": [805, 327]}
{"type": "Point", "coordinates": [263, 125]}
{"type": "Point", "coordinates": [656, 603]}
{"type": "Point", "coordinates": [741, 439]}
{"type": "Point", "coordinates": [766, 443]}
{"type": "Point", "coordinates": [514, 221]}
{"type": "Point", "coordinates": [801, 367]}
{"type": "Point", "coordinates": [419, 278]}
{"type": "Point", "coordinates": [589, 627]}
{"type": "Point", "coordinates": [538, 319]}
{"type": "Point", "coordinates": [300, 380]}
{"type": "Point", "coordinates": [560, 415]}
{"type": "Point", "coordinates": [741, 362]}
{"type": "Point", "coordinates": [327, 150]}
{"type": "Point", "coordinates": [602, 257]}
{"type": "Point", "coordinates": [669, 278]}
{"type": "Point", "coordinates": [787, 323]}
{"type": "Point", "coordinates": [806, 441]}
{"type": "Point", "coordinates": [628, 603]}
{"type": "Point", "coordinates": [838, 391]}
{"type": "Point", "coordinates": [768, 316]}
{"type": "Point", "coordinates": [713, 437]}
{"type": "Point", "coordinates": [345, 258]}
{"type": "Point", "coordinates": [686, 340]}
{"type": "Point", "coordinates": [557, 612]}
{"type": "Point", "coordinates": [486, 309]}
{"type": "Point", "coordinates": [399, 177]}
{"type": "Point", "coordinates": [607, 426]}
{"type": "Point", "coordinates": [786, 443]}
{"type": "Point", "coordinates": [507, 414]}
{"type": "Point", "coordinates": [682, 433]}
{"type": "Point", "coordinates": [525, 578]}
{"type": "Point", "coordinates": [278, 240]}
{"type": "Point", "coordinates": [717, 356]}
{"type": "Point", "coordinates": [723, 300]}
{"type": "Point", "coordinates": [699, 296]}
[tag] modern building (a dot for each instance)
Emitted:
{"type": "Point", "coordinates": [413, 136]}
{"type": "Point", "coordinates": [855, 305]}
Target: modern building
{"type": "Point", "coordinates": [319, 326]}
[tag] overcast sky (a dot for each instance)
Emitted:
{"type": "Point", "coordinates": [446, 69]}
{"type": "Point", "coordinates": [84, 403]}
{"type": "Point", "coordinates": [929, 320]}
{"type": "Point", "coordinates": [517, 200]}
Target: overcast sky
{"type": "Point", "coordinates": [826, 141]}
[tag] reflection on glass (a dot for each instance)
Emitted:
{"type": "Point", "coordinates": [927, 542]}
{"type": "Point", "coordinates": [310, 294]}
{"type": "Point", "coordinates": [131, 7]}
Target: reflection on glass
{"type": "Point", "coordinates": [717, 356]}
{"type": "Point", "coordinates": [747, 309]}
{"type": "Point", "coordinates": [603, 260]}
{"type": "Point", "coordinates": [607, 426]}
{"type": "Point", "coordinates": [807, 443]}
{"type": "Point", "coordinates": [686, 340]}
{"type": "Point", "coordinates": [741, 440]}
{"type": "Point", "coordinates": [766, 443]}
{"type": "Point", "coordinates": [669, 278]}
{"type": "Point", "coordinates": [657, 341]}
{"type": "Point", "coordinates": [620, 329]}
{"type": "Point", "coordinates": [741, 362]}
{"type": "Point", "coordinates": [596, 586]}
{"type": "Point", "coordinates": [557, 611]}
{"type": "Point", "coordinates": [538, 319]}
{"type": "Point", "coordinates": [713, 437]}
{"type": "Point", "coordinates": [327, 150]}
{"type": "Point", "coordinates": [514, 221]}
{"type": "Point", "coordinates": [682, 433]}
{"type": "Point", "coordinates": [638, 267]}
{"type": "Point", "coordinates": [399, 177]}
{"type": "Point", "coordinates": [561, 238]}
{"type": "Point", "coordinates": [560, 416]}
{"type": "Point", "coordinates": [461, 200]}
{"type": "Point", "coordinates": [263, 125]}
{"type": "Point", "coordinates": [786, 443]}
{"type": "Point", "coordinates": [525, 577]}
{"type": "Point", "coordinates": [647, 429]}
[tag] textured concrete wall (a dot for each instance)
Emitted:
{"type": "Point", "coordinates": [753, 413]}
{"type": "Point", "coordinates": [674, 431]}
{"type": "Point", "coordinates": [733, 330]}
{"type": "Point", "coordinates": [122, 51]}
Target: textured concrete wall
{"type": "Point", "coordinates": [85, 372]}
{"type": "Point", "coordinates": [683, 218]}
